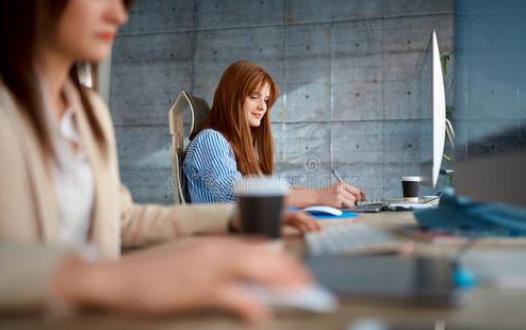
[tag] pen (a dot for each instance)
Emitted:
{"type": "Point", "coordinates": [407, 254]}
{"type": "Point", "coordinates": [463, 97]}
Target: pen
{"type": "Point", "coordinates": [336, 175]}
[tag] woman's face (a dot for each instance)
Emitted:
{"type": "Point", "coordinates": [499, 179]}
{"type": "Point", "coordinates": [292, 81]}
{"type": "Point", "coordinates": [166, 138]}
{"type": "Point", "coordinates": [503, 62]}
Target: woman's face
{"type": "Point", "coordinates": [86, 29]}
{"type": "Point", "coordinates": [255, 106]}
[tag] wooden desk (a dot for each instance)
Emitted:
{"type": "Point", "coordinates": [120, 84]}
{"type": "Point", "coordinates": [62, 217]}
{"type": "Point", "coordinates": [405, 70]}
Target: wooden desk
{"type": "Point", "coordinates": [485, 307]}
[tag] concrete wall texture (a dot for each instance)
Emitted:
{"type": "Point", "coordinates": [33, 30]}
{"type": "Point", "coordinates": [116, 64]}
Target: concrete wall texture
{"type": "Point", "coordinates": [348, 71]}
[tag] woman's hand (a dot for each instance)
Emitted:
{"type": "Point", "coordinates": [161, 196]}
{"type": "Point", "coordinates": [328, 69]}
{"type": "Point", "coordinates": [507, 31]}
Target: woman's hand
{"type": "Point", "coordinates": [339, 195]}
{"type": "Point", "coordinates": [193, 275]}
{"type": "Point", "coordinates": [300, 221]}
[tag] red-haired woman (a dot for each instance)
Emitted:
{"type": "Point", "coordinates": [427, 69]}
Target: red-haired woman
{"type": "Point", "coordinates": [236, 140]}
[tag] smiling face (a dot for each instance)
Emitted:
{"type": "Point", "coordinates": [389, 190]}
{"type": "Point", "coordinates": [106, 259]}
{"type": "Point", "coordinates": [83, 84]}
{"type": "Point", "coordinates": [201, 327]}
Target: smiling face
{"type": "Point", "coordinates": [256, 105]}
{"type": "Point", "coordinates": [86, 29]}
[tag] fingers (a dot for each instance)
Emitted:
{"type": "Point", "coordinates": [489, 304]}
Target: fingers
{"type": "Point", "coordinates": [237, 300]}
{"type": "Point", "coordinates": [275, 269]}
{"type": "Point", "coordinates": [347, 200]}
{"type": "Point", "coordinates": [341, 198]}
{"type": "Point", "coordinates": [305, 226]}
{"type": "Point", "coordinates": [335, 196]}
{"type": "Point", "coordinates": [302, 221]}
{"type": "Point", "coordinates": [364, 197]}
{"type": "Point", "coordinates": [348, 194]}
{"type": "Point", "coordinates": [309, 222]}
{"type": "Point", "coordinates": [355, 191]}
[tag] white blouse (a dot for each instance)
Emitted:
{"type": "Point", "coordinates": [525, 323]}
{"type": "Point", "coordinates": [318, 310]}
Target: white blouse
{"type": "Point", "coordinates": [74, 180]}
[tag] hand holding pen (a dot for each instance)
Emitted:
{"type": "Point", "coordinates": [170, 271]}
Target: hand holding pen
{"type": "Point", "coordinates": [357, 192]}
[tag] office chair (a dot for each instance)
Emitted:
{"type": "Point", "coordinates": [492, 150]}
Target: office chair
{"type": "Point", "coordinates": [188, 112]}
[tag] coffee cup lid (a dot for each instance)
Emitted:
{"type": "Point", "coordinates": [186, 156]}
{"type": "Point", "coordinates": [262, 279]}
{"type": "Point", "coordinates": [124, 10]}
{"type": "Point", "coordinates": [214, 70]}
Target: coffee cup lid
{"type": "Point", "coordinates": [412, 178]}
{"type": "Point", "coordinates": [261, 186]}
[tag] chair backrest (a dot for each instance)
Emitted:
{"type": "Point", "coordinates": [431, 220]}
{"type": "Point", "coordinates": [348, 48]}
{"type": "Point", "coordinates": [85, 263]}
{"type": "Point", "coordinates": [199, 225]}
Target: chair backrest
{"type": "Point", "coordinates": [185, 116]}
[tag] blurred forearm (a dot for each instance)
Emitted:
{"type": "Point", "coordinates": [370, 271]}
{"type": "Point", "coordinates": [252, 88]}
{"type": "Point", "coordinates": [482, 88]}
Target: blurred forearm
{"type": "Point", "coordinates": [301, 197]}
{"type": "Point", "coordinates": [25, 275]}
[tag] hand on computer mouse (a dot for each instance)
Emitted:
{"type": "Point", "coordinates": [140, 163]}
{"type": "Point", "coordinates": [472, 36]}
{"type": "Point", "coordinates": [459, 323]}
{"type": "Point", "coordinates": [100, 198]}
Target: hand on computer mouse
{"type": "Point", "coordinates": [313, 298]}
{"type": "Point", "coordinates": [193, 275]}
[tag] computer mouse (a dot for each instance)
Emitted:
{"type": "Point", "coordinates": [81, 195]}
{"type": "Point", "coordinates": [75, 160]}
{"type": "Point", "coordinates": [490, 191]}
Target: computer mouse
{"type": "Point", "coordinates": [313, 298]}
{"type": "Point", "coordinates": [321, 209]}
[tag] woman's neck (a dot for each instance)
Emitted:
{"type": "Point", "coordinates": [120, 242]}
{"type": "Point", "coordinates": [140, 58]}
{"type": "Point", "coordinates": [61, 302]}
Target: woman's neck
{"type": "Point", "coordinates": [54, 69]}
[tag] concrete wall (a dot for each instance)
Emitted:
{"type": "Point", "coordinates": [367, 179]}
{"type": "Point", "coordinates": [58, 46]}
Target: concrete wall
{"type": "Point", "coordinates": [348, 70]}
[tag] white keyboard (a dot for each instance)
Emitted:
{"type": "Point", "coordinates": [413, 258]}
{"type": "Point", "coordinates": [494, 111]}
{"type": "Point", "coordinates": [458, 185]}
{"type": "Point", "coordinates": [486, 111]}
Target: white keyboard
{"type": "Point", "coordinates": [351, 238]}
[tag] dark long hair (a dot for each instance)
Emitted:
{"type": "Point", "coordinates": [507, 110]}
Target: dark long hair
{"type": "Point", "coordinates": [20, 21]}
{"type": "Point", "coordinates": [253, 147]}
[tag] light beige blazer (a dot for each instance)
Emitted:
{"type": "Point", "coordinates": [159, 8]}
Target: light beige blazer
{"type": "Point", "coordinates": [28, 205]}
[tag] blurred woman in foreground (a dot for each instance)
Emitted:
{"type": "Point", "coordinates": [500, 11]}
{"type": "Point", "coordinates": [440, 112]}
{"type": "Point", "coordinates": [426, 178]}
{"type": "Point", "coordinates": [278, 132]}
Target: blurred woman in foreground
{"type": "Point", "coordinates": [60, 186]}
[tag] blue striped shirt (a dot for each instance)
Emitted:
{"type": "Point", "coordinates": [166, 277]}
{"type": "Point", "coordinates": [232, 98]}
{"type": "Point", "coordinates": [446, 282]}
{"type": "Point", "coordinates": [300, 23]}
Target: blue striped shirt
{"type": "Point", "coordinates": [210, 168]}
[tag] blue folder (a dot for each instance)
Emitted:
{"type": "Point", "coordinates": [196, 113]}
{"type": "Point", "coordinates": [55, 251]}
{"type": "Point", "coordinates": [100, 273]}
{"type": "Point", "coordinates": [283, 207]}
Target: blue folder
{"type": "Point", "coordinates": [463, 216]}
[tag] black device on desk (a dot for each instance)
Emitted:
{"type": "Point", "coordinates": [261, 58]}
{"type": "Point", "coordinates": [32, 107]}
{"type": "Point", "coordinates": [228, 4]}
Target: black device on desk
{"type": "Point", "coordinates": [367, 207]}
{"type": "Point", "coordinates": [413, 280]}
{"type": "Point", "coordinates": [390, 205]}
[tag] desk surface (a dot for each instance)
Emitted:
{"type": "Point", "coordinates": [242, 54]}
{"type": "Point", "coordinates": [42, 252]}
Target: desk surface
{"type": "Point", "coordinates": [484, 308]}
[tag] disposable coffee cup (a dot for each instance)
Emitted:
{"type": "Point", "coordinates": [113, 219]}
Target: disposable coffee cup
{"type": "Point", "coordinates": [261, 205]}
{"type": "Point", "coordinates": [410, 185]}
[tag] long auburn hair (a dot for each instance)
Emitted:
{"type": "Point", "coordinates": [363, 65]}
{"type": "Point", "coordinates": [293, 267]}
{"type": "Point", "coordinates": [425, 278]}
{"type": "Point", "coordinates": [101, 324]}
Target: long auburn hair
{"type": "Point", "coordinates": [20, 21]}
{"type": "Point", "coordinates": [253, 146]}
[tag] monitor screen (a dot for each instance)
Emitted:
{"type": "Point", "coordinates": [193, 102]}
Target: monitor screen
{"type": "Point", "coordinates": [432, 109]}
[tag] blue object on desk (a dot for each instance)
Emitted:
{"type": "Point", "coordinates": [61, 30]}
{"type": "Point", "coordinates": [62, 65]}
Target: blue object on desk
{"type": "Point", "coordinates": [346, 215]}
{"type": "Point", "coordinates": [464, 278]}
{"type": "Point", "coordinates": [461, 215]}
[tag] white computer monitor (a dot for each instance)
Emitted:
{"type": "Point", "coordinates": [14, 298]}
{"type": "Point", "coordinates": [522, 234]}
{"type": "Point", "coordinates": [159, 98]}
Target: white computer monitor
{"type": "Point", "coordinates": [433, 108]}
